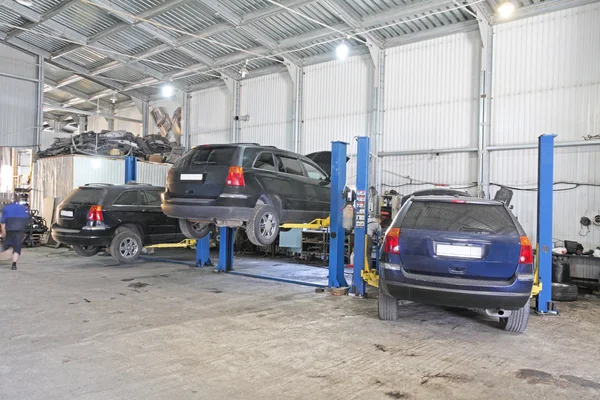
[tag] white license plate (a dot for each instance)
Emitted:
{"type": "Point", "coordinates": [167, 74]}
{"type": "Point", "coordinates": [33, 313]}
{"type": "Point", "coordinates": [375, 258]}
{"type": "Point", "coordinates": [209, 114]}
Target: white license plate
{"type": "Point", "coordinates": [448, 250]}
{"type": "Point", "coordinates": [65, 213]}
{"type": "Point", "coordinates": [191, 177]}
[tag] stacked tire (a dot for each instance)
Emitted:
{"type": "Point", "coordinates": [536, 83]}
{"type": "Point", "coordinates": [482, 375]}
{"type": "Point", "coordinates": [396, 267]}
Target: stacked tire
{"type": "Point", "coordinates": [562, 289]}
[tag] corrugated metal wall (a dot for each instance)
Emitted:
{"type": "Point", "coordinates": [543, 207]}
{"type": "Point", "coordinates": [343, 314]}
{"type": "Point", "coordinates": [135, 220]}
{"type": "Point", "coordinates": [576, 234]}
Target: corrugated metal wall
{"type": "Point", "coordinates": [152, 173]}
{"type": "Point", "coordinates": [431, 102]}
{"type": "Point", "coordinates": [210, 116]}
{"type": "Point", "coordinates": [546, 79]}
{"type": "Point", "coordinates": [268, 101]}
{"type": "Point", "coordinates": [97, 170]}
{"type": "Point", "coordinates": [337, 103]}
{"type": "Point", "coordinates": [18, 102]}
{"type": "Point", "coordinates": [52, 177]}
{"type": "Point", "coordinates": [432, 94]}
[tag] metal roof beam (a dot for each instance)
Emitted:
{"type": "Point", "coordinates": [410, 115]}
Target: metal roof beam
{"type": "Point", "coordinates": [399, 13]}
{"type": "Point", "coordinates": [350, 17]}
{"type": "Point", "coordinates": [46, 16]}
{"type": "Point", "coordinates": [542, 8]}
{"type": "Point", "coordinates": [444, 30]}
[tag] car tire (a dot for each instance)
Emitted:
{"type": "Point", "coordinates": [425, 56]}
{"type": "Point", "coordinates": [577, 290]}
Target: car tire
{"type": "Point", "coordinates": [518, 319]}
{"type": "Point", "coordinates": [194, 230]}
{"type": "Point", "coordinates": [86, 251]}
{"type": "Point", "coordinates": [387, 306]}
{"type": "Point", "coordinates": [126, 246]}
{"type": "Point", "coordinates": [564, 292]}
{"type": "Point", "coordinates": [263, 226]}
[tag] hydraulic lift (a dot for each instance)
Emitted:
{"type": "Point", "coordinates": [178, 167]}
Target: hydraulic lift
{"type": "Point", "coordinates": [364, 273]}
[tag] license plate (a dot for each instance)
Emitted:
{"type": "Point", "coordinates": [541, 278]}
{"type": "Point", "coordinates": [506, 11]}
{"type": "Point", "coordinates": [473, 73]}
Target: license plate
{"type": "Point", "coordinates": [66, 213]}
{"type": "Point", "coordinates": [448, 250]}
{"type": "Point", "coordinates": [191, 177]}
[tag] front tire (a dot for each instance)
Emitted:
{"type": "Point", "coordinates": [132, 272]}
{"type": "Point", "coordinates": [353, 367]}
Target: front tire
{"type": "Point", "coordinates": [126, 246]}
{"type": "Point", "coordinates": [86, 251]}
{"type": "Point", "coordinates": [263, 226]}
{"type": "Point", "coordinates": [518, 319]}
{"type": "Point", "coordinates": [387, 306]}
{"type": "Point", "coordinates": [194, 230]}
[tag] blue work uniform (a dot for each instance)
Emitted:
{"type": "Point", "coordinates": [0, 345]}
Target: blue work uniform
{"type": "Point", "coordinates": [15, 217]}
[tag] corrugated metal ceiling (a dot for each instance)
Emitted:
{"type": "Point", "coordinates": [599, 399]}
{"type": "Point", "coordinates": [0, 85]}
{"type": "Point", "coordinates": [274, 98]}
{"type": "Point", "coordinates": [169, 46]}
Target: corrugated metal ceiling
{"type": "Point", "coordinates": [388, 19]}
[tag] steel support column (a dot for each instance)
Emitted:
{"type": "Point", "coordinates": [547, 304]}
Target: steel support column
{"type": "Point", "coordinates": [485, 108]}
{"type": "Point", "coordinates": [40, 104]}
{"type": "Point", "coordinates": [376, 131]}
{"type": "Point", "coordinates": [234, 90]}
{"type": "Point", "coordinates": [362, 215]}
{"type": "Point", "coordinates": [544, 220]}
{"type": "Point", "coordinates": [145, 117]}
{"type": "Point", "coordinates": [186, 137]}
{"type": "Point", "coordinates": [111, 121]}
{"type": "Point", "coordinates": [336, 228]}
{"type": "Point", "coordinates": [297, 76]}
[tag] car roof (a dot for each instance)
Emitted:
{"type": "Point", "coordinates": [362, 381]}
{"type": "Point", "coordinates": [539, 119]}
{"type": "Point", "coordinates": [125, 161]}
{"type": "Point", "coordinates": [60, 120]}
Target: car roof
{"type": "Point", "coordinates": [449, 199]}
{"type": "Point", "coordinates": [120, 187]}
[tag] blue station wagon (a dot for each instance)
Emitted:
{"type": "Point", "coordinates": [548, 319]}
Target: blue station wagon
{"type": "Point", "coordinates": [458, 252]}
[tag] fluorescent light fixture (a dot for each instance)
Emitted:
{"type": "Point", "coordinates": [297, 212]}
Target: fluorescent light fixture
{"type": "Point", "coordinates": [342, 50]}
{"type": "Point", "coordinates": [167, 90]}
{"type": "Point", "coordinates": [244, 70]}
{"type": "Point", "coordinates": [506, 9]}
{"type": "Point", "coordinates": [26, 3]}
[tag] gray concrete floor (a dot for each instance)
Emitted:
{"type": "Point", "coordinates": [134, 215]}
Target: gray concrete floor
{"type": "Point", "coordinates": [73, 328]}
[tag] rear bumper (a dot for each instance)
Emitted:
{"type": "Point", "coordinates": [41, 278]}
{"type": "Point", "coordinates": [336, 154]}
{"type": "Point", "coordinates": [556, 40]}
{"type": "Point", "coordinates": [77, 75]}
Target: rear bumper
{"type": "Point", "coordinates": [83, 237]}
{"type": "Point", "coordinates": [221, 209]}
{"type": "Point", "coordinates": [509, 295]}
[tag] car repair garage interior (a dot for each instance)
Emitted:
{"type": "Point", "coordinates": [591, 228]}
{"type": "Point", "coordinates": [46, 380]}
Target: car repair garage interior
{"type": "Point", "coordinates": [304, 199]}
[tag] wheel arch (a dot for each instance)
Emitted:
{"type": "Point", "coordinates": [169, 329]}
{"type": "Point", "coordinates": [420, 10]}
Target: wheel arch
{"type": "Point", "coordinates": [272, 200]}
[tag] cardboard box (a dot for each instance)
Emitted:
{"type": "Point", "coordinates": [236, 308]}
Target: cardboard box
{"type": "Point", "coordinates": [157, 158]}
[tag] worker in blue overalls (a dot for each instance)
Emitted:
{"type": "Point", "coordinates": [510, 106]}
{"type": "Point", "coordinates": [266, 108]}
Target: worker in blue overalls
{"type": "Point", "coordinates": [14, 221]}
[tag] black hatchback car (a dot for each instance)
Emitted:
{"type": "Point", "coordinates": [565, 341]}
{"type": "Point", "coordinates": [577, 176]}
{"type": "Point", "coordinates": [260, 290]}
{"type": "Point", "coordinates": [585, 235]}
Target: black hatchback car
{"type": "Point", "coordinates": [233, 185]}
{"type": "Point", "coordinates": [123, 218]}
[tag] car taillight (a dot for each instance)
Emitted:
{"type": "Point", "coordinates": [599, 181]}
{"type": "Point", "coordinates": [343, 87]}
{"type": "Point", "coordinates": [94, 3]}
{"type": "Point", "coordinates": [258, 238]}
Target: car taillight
{"type": "Point", "coordinates": [95, 214]}
{"type": "Point", "coordinates": [459, 201]}
{"type": "Point", "coordinates": [392, 241]}
{"type": "Point", "coordinates": [235, 177]}
{"type": "Point", "coordinates": [526, 256]}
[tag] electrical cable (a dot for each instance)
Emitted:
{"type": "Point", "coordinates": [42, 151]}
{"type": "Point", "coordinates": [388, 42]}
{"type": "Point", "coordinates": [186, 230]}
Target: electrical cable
{"type": "Point", "coordinates": [575, 186]}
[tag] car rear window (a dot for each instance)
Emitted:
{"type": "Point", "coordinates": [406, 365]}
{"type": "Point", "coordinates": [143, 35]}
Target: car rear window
{"type": "Point", "coordinates": [459, 217]}
{"type": "Point", "coordinates": [207, 155]}
{"type": "Point", "coordinates": [84, 196]}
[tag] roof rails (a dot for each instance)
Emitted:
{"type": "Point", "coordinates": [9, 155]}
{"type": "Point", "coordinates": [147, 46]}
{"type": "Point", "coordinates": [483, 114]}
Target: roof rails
{"type": "Point", "coordinates": [99, 184]}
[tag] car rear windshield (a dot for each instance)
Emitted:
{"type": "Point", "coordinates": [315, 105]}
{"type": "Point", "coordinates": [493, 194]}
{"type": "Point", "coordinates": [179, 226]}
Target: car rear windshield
{"type": "Point", "coordinates": [85, 196]}
{"type": "Point", "coordinates": [220, 156]}
{"type": "Point", "coordinates": [459, 217]}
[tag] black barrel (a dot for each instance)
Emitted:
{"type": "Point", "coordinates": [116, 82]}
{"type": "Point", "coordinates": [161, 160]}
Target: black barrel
{"type": "Point", "coordinates": [561, 272]}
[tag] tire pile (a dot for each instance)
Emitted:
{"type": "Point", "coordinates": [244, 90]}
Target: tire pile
{"type": "Point", "coordinates": [108, 143]}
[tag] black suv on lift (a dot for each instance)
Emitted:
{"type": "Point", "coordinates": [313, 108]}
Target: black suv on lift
{"type": "Point", "coordinates": [124, 218]}
{"type": "Point", "coordinates": [257, 186]}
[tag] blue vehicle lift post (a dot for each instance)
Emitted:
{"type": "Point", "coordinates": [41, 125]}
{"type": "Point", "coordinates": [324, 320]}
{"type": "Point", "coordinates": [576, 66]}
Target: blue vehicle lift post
{"type": "Point", "coordinates": [130, 169]}
{"type": "Point", "coordinates": [359, 286]}
{"type": "Point", "coordinates": [336, 227]}
{"type": "Point", "coordinates": [226, 250]}
{"type": "Point", "coordinates": [544, 221]}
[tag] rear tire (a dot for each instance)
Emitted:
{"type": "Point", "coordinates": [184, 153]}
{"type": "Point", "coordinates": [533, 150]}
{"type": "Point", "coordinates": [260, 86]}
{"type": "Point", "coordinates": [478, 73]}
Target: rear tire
{"type": "Point", "coordinates": [126, 246]}
{"type": "Point", "coordinates": [263, 226]}
{"type": "Point", "coordinates": [518, 320]}
{"type": "Point", "coordinates": [194, 230]}
{"type": "Point", "coordinates": [564, 292]}
{"type": "Point", "coordinates": [86, 251]}
{"type": "Point", "coordinates": [387, 306]}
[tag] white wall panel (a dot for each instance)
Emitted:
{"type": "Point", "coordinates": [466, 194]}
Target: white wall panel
{"type": "Point", "coordinates": [432, 94]}
{"type": "Point", "coordinates": [268, 101]}
{"type": "Point", "coordinates": [546, 77]}
{"type": "Point", "coordinates": [88, 169]}
{"type": "Point", "coordinates": [152, 173]}
{"type": "Point", "coordinates": [337, 102]}
{"type": "Point", "coordinates": [519, 169]}
{"type": "Point", "coordinates": [133, 127]}
{"type": "Point", "coordinates": [406, 174]}
{"type": "Point", "coordinates": [210, 116]}
{"type": "Point", "coordinates": [18, 100]}
{"type": "Point", "coordinates": [52, 177]}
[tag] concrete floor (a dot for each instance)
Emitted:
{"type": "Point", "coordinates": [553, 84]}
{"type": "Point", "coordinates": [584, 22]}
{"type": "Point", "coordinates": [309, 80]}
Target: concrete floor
{"type": "Point", "coordinates": [73, 328]}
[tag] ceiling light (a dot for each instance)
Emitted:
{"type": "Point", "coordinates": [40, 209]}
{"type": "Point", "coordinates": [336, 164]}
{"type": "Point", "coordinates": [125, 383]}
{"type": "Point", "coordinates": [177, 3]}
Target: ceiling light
{"type": "Point", "coordinates": [26, 3]}
{"type": "Point", "coordinates": [113, 98]}
{"type": "Point", "coordinates": [342, 50]}
{"type": "Point", "coordinates": [506, 9]}
{"type": "Point", "coordinates": [244, 70]}
{"type": "Point", "coordinates": [167, 90]}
